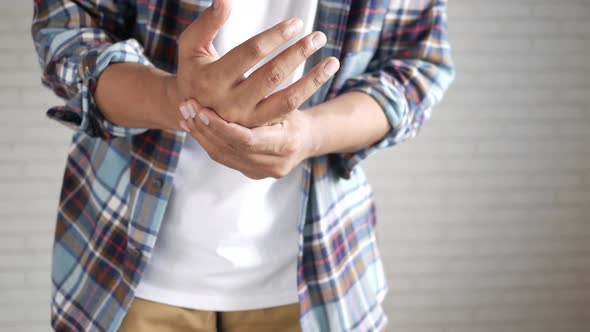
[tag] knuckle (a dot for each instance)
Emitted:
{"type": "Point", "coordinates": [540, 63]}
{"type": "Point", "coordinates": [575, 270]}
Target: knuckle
{"type": "Point", "coordinates": [273, 173]}
{"type": "Point", "coordinates": [291, 148]}
{"type": "Point", "coordinates": [286, 31]}
{"type": "Point", "coordinates": [274, 76]}
{"type": "Point", "coordinates": [250, 139]}
{"type": "Point", "coordinates": [302, 50]}
{"type": "Point", "coordinates": [289, 28]}
{"type": "Point", "coordinates": [293, 101]}
{"type": "Point", "coordinates": [213, 155]}
{"type": "Point", "coordinates": [250, 147]}
{"type": "Point", "coordinates": [254, 49]}
{"type": "Point", "coordinates": [247, 147]}
{"type": "Point", "coordinates": [317, 80]}
{"type": "Point", "coordinates": [276, 149]}
{"type": "Point", "coordinates": [278, 172]}
{"type": "Point", "coordinates": [229, 113]}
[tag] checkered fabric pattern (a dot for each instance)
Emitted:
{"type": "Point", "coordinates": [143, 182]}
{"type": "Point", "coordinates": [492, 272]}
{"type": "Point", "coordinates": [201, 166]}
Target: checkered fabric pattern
{"type": "Point", "coordinates": [118, 180]}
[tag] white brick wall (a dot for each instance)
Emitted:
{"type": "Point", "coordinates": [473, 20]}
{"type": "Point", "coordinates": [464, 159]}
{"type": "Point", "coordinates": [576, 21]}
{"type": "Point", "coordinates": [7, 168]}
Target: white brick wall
{"type": "Point", "coordinates": [484, 218]}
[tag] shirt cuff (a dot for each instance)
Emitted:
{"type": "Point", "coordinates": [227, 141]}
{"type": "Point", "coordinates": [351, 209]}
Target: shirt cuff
{"type": "Point", "coordinates": [393, 103]}
{"type": "Point", "coordinates": [81, 111]}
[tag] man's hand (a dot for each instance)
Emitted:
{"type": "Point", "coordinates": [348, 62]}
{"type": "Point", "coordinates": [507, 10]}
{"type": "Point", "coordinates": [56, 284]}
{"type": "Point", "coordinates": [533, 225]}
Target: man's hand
{"type": "Point", "coordinates": [262, 152]}
{"type": "Point", "coordinates": [219, 84]}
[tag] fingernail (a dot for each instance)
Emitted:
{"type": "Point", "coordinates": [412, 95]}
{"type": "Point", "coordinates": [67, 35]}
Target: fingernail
{"type": "Point", "coordinates": [331, 67]}
{"type": "Point", "coordinates": [216, 4]}
{"type": "Point", "coordinates": [192, 110]}
{"type": "Point", "coordinates": [204, 118]}
{"type": "Point", "coordinates": [184, 127]}
{"type": "Point", "coordinates": [318, 39]}
{"type": "Point", "coordinates": [186, 114]}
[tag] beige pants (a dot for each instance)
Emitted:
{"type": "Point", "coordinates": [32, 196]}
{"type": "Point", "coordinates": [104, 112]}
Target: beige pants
{"type": "Point", "coordinates": [149, 316]}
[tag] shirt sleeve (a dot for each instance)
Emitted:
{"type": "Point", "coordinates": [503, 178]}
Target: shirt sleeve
{"type": "Point", "coordinates": [409, 74]}
{"type": "Point", "coordinates": [75, 41]}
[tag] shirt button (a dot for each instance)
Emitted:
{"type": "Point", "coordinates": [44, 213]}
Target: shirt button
{"type": "Point", "coordinates": [347, 174]}
{"type": "Point", "coordinates": [135, 252]}
{"type": "Point", "coordinates": [157, 183]}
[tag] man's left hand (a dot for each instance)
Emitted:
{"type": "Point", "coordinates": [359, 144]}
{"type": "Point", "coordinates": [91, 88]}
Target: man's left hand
{"type": "Point", "coordinates": [268, 151]}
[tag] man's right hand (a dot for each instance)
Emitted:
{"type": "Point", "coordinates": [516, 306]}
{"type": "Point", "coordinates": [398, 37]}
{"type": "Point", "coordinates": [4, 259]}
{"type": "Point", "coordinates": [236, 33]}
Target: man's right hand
{"type": "Point", "coordinates": [218, 82]}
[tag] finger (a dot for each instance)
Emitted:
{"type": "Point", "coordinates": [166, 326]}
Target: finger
{"type": "Point", "coordinates": [199, 35]}
{"type": "Point", "coordinates": [245, 56]}
{"type": "Point", "coordinates": [250, 164]}
{"type": "Point", "coordinates": [253, 165]}
{"type": "Point", "coordinates": [282, 102]}
{"type": "Point", "coordinates": [201, 126]}
{"type": "Point", "coordinates": [238, 140]}
{"type": "Point", "coordinates": [260, 141]}
{"type": "Point", "coordinates": [267, 78]}
{"type": "Point", "coordinates": [241, 140]}
{"type": "Point", "coordinates": [232, 133]}
{"type": "Point", "coordinates": [217, 150]}
{"type": "Point", "coordinates": [266, 140]}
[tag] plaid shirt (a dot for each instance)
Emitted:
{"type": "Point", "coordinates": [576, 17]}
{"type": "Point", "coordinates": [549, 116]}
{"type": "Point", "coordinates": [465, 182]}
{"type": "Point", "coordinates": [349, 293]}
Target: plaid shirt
{"type": "Point", "coordinates": [117, 180]}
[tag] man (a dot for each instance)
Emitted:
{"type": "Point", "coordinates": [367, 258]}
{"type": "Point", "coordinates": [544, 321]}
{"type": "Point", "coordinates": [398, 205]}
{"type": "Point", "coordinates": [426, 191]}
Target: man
{"type": "Point", "coordinates": [148, 115]}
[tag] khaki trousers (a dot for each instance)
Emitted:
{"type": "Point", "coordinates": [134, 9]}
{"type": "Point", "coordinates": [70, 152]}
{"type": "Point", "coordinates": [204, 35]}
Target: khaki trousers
{"type": "Point", "coordinates": [149, 316]}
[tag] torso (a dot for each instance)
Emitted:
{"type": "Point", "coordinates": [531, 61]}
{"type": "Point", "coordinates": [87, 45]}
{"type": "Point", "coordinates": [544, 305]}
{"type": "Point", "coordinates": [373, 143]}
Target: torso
{"type": "Point", "coordinates": [228, 242]}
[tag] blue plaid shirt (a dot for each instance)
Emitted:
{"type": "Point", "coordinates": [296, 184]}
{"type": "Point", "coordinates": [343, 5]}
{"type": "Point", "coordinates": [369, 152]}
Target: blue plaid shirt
{"type": "Point", "coordinates": [117, 180]}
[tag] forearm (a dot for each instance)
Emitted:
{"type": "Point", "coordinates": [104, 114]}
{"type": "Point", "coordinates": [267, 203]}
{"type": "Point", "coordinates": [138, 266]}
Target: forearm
{"type": "Point", "coordinates": [347, 123]}
{"type": "Point", "coordinates": [138, 96]}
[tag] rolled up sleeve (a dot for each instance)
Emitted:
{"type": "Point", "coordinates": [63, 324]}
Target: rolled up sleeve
{"type": "Point", "coordinates": [409, 74]}
{"type": "Point", "coordinates": [75, 42]}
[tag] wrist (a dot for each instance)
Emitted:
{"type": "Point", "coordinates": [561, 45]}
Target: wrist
{"type": "Point", "coordinates": [170, 102]}
{"type": "Point", "coordinates": [312, 135]}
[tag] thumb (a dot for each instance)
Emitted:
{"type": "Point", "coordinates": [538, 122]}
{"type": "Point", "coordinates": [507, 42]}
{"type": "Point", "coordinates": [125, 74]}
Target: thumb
{"type": "Point", "coordinates": [198, 37]}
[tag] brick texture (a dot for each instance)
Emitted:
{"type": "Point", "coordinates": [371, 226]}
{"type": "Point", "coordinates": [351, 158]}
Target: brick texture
{"type": "Point", "coordinates": [484, 219]}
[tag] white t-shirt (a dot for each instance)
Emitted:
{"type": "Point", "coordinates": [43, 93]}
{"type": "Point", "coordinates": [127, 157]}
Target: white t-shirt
{"type": "Point", "coordinates": [228, 242]}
